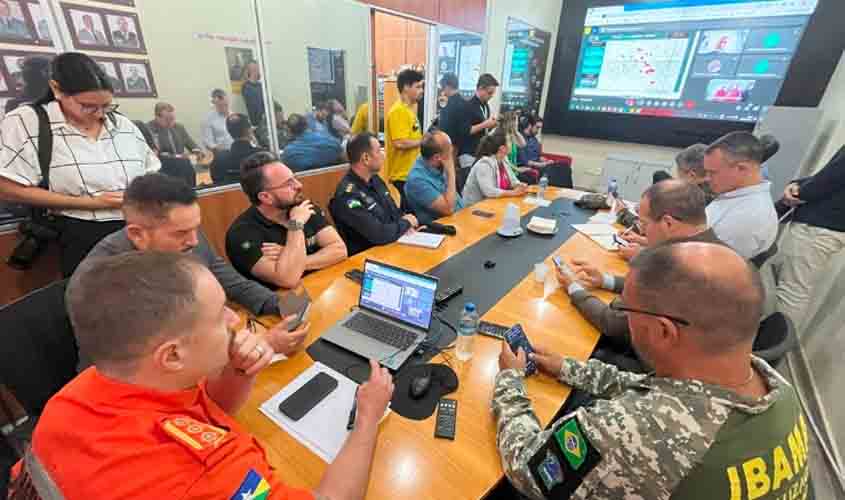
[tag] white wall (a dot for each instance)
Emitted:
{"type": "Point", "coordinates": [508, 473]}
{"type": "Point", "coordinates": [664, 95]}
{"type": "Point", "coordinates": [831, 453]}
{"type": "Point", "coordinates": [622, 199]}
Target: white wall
{"type": "Point", "coordinates": [542, 14]}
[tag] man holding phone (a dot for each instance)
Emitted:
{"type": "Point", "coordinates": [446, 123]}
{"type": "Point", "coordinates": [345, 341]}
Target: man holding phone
{"type": "Point", "coordinates": [282, 235]}
{"type": "Point", "coordinates": [167, 390]}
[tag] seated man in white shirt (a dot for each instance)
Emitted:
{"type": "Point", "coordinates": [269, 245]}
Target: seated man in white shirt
{"type": "Point", "coordinates": [215, 137]}
{"type": "Point", "coordinates": [742, 215]}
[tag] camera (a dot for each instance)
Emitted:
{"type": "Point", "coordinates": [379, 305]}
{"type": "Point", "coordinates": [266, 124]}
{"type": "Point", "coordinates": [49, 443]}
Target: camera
{"type": "Point", "coordinates": [35, 237]}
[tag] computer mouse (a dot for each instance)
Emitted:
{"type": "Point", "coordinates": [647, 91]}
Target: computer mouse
{"type": "Point", "coordinates": [419, 386]}
{"type": "Point", "coordinates": [489, 264]}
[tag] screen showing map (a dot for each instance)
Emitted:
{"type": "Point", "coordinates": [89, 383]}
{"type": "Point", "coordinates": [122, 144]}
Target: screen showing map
{"type": "Point", "coordinates": [707, 59]}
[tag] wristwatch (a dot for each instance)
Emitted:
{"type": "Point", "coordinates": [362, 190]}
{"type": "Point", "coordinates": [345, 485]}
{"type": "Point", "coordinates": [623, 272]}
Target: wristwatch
{"type": "Point", "coordinates": [295, 225]}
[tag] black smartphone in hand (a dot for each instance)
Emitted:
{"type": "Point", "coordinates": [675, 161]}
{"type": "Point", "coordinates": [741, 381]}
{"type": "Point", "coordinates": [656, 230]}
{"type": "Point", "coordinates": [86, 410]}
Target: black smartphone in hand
{"type": "Point", "coordinates": [516, 339]}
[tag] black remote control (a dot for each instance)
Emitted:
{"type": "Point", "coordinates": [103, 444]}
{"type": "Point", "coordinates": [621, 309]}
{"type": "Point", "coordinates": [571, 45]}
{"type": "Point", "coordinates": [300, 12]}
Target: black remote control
{"type": "Point", "coordinates": [492, 330]}
{"type": "Point", "coordinates": [443, 296]}
{"type": "Point", "coordinates": [447, 417]}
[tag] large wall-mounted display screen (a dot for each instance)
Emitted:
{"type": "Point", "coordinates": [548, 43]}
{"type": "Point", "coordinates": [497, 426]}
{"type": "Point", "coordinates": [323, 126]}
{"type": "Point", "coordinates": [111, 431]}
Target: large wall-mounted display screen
{"type": "Point", "coordinates": [700, 59]}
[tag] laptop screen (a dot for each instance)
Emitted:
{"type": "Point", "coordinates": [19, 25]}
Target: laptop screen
{"type": "Point", "coordinates": [401, 295]}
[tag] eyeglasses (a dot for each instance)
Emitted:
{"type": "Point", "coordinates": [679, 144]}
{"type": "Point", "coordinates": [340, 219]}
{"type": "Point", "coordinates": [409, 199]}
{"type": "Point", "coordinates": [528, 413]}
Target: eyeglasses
{"type": "Point", "coordinates": [285, 185]}
{"type": "Point", "coordinates": [90, 109]}
{"type": "Point", "coordinates": [616, 306]}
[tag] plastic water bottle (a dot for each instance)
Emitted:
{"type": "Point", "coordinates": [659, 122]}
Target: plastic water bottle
{"type": "Point", "coordinates": [544, 183]}
{"type": "Point", "coordinates": [467, 327]}
{"type": "Point", "coordinates": [612, 195]}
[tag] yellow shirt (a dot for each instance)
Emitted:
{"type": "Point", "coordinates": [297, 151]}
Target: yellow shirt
{"type": "Point", "coordinates": [362, 117]}
{"type": "Point", "coordinates": [401, 123]}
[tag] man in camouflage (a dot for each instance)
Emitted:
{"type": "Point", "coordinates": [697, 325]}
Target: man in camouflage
{"type": "Point", "coordinates": [712, 421]}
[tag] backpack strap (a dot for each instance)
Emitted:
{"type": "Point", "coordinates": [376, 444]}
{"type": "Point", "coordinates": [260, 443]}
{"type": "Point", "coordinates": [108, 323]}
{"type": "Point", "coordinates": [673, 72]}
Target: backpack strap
{"type": "Point", "coordinates": [45, 145]}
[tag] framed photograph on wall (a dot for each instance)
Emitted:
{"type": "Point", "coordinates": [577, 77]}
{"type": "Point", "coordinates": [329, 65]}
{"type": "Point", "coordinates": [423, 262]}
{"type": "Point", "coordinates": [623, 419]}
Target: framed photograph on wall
{"type": "Point", "coordinates": [111, 67]}
{"type": "Point", "coordinates": [19, 23]}
{"type": "Point", "coordinates": [87, 27]}
{"type": "Point", "coordinates": [130, 3]}
{"type": "Point", "coordinates": [11, 69]}
{"type": "Point", "coordinates": [124, 31]}
{"type": "Point", "coordinates": [137, 78]}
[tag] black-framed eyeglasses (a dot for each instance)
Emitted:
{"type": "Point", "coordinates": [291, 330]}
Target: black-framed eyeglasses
{"type": "Point", "coordinates": [617, 306]}
{"type": "Point", "coordinates": [91, 109]}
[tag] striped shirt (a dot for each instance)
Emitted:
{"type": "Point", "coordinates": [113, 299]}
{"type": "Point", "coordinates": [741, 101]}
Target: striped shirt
{"type": "Point", "coordinates": [80, 166]}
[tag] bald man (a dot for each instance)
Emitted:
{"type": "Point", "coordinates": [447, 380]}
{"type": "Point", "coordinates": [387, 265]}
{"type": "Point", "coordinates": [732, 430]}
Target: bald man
{"type": "Point", "coordinates": [711, 421]}
{"type": "Point", "coordinates": [430, 189]}
{"type": "Point", "coordinates": [670, 211]}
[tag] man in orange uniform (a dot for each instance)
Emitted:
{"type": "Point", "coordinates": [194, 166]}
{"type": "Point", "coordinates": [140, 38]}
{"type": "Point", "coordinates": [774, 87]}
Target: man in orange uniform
{"type": "Point", "coordinates": [152, 418]}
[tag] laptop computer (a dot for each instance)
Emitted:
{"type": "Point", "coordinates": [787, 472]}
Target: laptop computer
{"type": "Point", "coordinates": [393, 316]}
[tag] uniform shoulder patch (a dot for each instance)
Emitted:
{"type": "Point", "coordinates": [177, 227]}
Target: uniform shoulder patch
{"type": "Point", "coordinates": [349, 188]}
{"type": "Point", "coordinates": [354, 203]}
{"type": "Point", "coordinates": [246, 245]}
{"type": "Point", "coordinates": [253, 487]}
{"type": "Point", "coordinates": [561, 465]}
{"type": "Point", "coordinates": [198, 437]}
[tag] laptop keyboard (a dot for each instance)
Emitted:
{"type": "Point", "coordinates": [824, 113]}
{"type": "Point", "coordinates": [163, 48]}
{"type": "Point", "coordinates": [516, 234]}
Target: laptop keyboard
{"type": "Point", "coordinates": [382, 331]}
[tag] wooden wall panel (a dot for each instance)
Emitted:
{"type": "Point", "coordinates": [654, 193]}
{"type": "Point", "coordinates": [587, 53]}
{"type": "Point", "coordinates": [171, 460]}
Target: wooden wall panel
{"type": "Point", "coordinates": [466, 14]}
{"type": "Point", "coordinates": [427, 9]}
{"type": "Point", "coordinates": [219, 209]}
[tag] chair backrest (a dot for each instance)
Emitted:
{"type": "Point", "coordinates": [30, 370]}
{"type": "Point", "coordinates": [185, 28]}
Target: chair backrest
{"type": "Point", "coordinates": [38, 351]}
{"type": "Point", "coordinates": [775, 337]}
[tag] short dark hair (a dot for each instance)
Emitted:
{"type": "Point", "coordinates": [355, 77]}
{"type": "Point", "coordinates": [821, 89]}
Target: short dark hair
{"type": "Point", "coordinates": [490, 144]}
{"type": "Point", "coordinates": [407, 78]}
{"type": "Point", "coordinates": [75, 73]}
{"type": "Point", "coordinates": [429, 145]}
{"type": "Point", "coordinates": [297, 124]}
{"type": "Point", "coordinates": [359, 144]}
{"type": "Point", "coordinates": [487, 80]}
{"type": "Point", "coordinates": [155, 194]}
{"type": "Point", "coordinates": [692, 160]}
{"type": "Point", "coordinates": [684, 201]}
{"type": "Point", "coordinates": [449, 80]}
{"type": "Point", "coordinates": [252, 174]}
{"type": "Point", "coordinates": [530, 120]}
{"type": "Point", "coordinates": [218, 94]}
{"type": "Point", "coordinates": [728, 310]}
{"type": "Point", "coordinates": [739, 146]}
{"type": "Point", "coordinates": [118, 305]}
{"type": "Point", "coordinates": [238, 125]}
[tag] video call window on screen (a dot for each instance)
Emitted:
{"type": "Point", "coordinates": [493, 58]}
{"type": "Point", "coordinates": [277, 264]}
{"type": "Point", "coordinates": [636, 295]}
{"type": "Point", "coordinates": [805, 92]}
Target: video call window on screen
{"type": "Point", "coordinates": [705, 59]}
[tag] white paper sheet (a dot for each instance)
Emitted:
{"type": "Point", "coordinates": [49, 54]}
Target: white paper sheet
{"type": "Point", "coordinates": [323, 429]}
{"type": "Point", "coordinates": [420, 239]}
{"type": "Point", "coordinates": [602, 234]}
{"type": "Point", "coordinates": [540, 202]}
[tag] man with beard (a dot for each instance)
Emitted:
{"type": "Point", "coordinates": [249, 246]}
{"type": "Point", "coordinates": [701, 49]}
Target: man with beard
{"type": "Point", "coordinates": [711, 421]}
{"type": "Point", "coordinates": [162, 215]}
{"type": "Point", "coordinates": [282, 235]}
{"type": "Point", "coordinates": [430, 189]}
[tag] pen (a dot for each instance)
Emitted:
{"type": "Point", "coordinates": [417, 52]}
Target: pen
{"type": "Point", "coordinates": [350, 424]}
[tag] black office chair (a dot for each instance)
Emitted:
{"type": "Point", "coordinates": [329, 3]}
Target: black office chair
{"type": "Point", "coordinates": [38, 351]}
{"type": "Point", "coordinates": [775, 338]}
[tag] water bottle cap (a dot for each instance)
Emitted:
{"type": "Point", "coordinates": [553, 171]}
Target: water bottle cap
{"type": "Point", "coordinates": [469, 307]}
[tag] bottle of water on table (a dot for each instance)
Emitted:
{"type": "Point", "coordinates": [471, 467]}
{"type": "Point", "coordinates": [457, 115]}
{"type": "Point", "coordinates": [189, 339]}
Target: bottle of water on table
{"type": "Point", "coordinates": [467, 327]}
{"type": "Point", "coordinates": [543, 184]}
{"type": "Point", "coordinates": [612, 195]}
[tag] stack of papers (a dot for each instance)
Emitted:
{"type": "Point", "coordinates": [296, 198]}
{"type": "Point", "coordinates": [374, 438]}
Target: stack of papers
{"type": "Point", "coordinates": [602, 234]}
{"type": "Point", "coordinates": [420, 239]}
{"type": "Point", "coordinates": [542, 225]}
{"type": "Point", "coordinates": [323, 429]}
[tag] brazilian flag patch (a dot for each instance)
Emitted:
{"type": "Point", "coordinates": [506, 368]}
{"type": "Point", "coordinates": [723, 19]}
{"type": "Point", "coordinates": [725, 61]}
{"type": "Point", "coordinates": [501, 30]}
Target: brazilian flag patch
{"type": "Point", "coordinates": [354, 203]}
{"type": "Point", "coordinates": [572, 443]}
{"type": "Point", "coordinates": [253, 487]}
{"type": "Point", "coordinates": [564, 462]}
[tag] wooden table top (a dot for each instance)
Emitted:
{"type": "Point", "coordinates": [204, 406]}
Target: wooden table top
{"type": "Point", "coordinates": [409, 462]}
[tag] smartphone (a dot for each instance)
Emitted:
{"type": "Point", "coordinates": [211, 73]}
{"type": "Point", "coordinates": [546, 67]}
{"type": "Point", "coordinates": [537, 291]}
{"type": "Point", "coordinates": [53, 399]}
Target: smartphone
{"type": "Point", "coordinates": [516, 339]}
{"type": "Point", "coordinates": [620, 241]}
{"type": "Point", "coordinates": [564, 267]}
{"type": "Point", "coordinates": [355, 275]}
{"type": "Point", "coordinates": [298, 404]}
{"type": "Point", "coordinates": [483, 213]}
{"type": "Point", "coordinates": [300, 318]}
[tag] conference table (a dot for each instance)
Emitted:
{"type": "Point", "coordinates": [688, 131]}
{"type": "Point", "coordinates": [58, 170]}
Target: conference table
{"type": "Point", "coordinates": [409, 462]}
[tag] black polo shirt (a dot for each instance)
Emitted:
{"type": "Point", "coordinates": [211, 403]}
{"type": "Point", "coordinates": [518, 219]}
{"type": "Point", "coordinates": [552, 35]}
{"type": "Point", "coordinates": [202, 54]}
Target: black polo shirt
{"type": "Point", "coordinates": [251, 230]}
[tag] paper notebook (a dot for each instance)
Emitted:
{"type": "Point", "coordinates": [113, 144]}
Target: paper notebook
{"type": "Point", "coordinates": [420, 239]}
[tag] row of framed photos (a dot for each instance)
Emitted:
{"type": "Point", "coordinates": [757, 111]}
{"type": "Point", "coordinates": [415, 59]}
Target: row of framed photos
{"type": "Point", "coordinates": [24, 22]}
{"type": "Point", "coordinates": [129, 77]}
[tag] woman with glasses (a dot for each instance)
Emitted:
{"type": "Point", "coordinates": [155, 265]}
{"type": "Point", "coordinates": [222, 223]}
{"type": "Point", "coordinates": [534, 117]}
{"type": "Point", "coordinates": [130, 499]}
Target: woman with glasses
{"type": "Point", "coordinates": [95, 154]}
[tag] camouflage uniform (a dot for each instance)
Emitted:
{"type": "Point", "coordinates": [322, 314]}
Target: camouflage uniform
{"type": "Point", "coordinates": [639, 441]}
